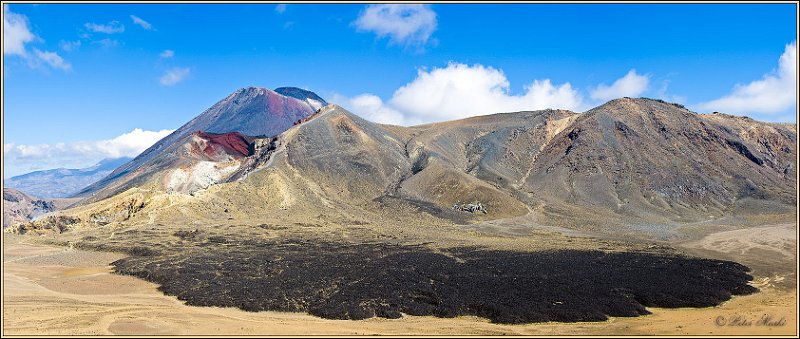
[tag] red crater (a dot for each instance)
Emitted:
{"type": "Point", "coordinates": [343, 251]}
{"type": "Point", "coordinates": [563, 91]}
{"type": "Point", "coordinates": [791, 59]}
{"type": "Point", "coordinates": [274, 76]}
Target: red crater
{"type": "Point", "coordinates": [233, 143]}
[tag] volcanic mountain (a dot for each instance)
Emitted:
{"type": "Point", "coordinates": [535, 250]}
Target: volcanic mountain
{"type": "Point", "coordinates": [251, 111]}
{"type": "Point", "coordinates": [627, 162]}
{"type": "Point", "coordinates": [656, 161]}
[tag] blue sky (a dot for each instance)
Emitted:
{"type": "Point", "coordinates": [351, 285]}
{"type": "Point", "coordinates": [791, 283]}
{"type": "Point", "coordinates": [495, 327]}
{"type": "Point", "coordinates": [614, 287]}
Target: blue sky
{"type": "Point", "coordinates": [84, 82]}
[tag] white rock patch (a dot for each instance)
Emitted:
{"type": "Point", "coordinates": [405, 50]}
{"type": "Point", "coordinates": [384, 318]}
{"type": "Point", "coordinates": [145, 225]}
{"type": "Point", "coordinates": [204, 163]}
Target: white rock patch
{"type": "Point", "coordinates": [200, 176]}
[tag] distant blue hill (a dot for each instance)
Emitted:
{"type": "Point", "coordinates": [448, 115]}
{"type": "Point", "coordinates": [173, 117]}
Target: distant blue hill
{"type": "Point", "coordinates": [62, 182]}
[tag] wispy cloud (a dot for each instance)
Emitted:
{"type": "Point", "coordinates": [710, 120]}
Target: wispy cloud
{"type": "Point", "coordinates": [15, 32]}
{"type": "Point", "coordinates": [280, 8]}
{"type": "Point", "coordinates": [52, 59]}
{"type": "Point", "coordinates": [109, 28]}
{"type": "Point", "coordinates": [139, 21]}
{"type": "Point", "coordinates": [403, 24]}
{"type": "Point", "coordinates": [663, 94]}
{"type": "Point", "coordinates": [107, 42]}
{"type": "Point", "coordinates": [630, 85]}
{"type": "Point", "coordinates": [774, 93]}
{"type": "Point", "coordinates": [69, 46]}
{"type": "Point", "coordinates": [22, 158]}
{"type": "Point", "coordinates": [166, 54]}
{"type": "Point", "coordinates": [173, 76]}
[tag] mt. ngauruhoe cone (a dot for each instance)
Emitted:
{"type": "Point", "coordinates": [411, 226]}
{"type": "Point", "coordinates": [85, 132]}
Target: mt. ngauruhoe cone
{"type": "Point", "coordinates": [250, 111]}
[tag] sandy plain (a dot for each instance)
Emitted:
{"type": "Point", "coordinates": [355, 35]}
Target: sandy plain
{"type": "Point", "coordinates": [56, 290]}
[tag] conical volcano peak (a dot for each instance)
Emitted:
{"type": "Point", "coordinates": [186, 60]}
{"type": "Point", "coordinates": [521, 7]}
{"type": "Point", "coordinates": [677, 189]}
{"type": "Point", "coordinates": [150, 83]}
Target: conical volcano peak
{"type": "Point", "coordinates": [248, 92]}
{"type": "Point", "coordinates": [251, 89]}
{"type": "Point", "coordinates": [298, 93]}
{"type": "Point", "coordinates": [252, 111]}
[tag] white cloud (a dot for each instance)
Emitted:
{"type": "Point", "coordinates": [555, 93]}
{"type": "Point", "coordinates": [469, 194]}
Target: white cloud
{"type": "Point", "coordinates": [128, 144]}
{"type": "Point", "coordinates": [166, 54]}
{"type": "Point", "coordinates": [15, 32]}
{"type": "Point", "coordinates": [69, 46]}
{"type": "Point", "coordinates": [25, 158]}
{"type": "Point", "coordinates": [370, 107]}
{"type": "Point", "coordinates": [631, 85]}
{"type": "Point", "coordinates": [52, 59]}
{"type": "Point", "coordinates": [404, 24]}
{"type": "Point", "coordinates": [110, 28]}
{"type": "Point", "coordinates": [774, 93]}
{"type": "Point", "coordinates": [146, 25]}
{"type": "Point", "coordinates": [280, 8]}
{"type": "Point", "coordinates": [173, 76]}
{"type": "Point", "coordinates": [460, 91]}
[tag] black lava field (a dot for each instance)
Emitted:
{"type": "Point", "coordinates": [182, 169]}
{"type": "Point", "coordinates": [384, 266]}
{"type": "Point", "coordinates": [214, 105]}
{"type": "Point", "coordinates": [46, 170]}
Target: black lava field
{"type": "Point", "coordinates": [349, 281]}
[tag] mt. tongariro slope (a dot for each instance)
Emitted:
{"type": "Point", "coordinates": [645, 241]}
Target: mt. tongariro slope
{"type": "Point", "coordinates": [630, 160]}
{"type": "Point", "coordinates": [273, 200]}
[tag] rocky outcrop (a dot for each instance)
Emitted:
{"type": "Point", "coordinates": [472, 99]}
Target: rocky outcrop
{"type": "Point", "coordinates": [18, 207]}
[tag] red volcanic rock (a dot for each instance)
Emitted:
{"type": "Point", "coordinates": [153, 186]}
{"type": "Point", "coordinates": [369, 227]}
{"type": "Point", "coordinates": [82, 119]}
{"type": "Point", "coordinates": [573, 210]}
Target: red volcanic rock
{"type": "Point", "coordinates": [232, 143]}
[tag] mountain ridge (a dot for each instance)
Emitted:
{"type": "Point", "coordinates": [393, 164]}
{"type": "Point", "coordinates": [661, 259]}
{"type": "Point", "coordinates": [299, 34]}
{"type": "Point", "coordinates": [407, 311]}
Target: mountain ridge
{"type": "Point", "coordinates": [626, 162]}
{"type": "Point", "coordinates": [63, 182]}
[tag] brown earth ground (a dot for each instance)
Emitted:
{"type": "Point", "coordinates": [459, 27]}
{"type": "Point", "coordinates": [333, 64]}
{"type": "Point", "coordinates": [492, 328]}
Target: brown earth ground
{"type": "Point", "coordinates": [56, 290]}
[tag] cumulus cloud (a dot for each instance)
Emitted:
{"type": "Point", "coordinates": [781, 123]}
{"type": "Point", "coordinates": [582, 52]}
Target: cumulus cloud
{"type": "Point", "coordinates": [53, 60]}
{"type": "Point", "coordinates": [775, 92]}
{"type": "Point", "coordinates": [20, 158]}
{"type": "Point", "coordinates": [630, 85]}
{"type": "Point", "coordinates": [15, 32]}
{"type": "Point", "coordinates": [403, 24]}
{"type": "Point", "coordinates": [166, 54]}
{"type": "Point", "coordinates": [173, 76]}
{"type": "Point", "coordinates": [144, 24]}
{"type": "Point", "coordinates": [16, 35]}
{"type": "Point", "coordinates": [370, 107]}
{"type": "Point", "coordinates": [110, 28]}
{"type": "Point", "coordinates": [460, 91]}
